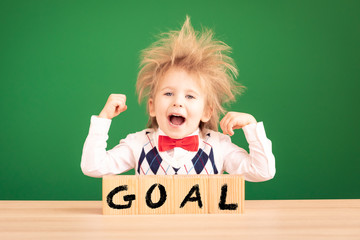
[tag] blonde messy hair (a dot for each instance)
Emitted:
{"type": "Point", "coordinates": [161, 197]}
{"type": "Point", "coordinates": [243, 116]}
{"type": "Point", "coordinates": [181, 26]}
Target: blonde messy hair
{"type": "Point", "coordinates": [195, 52]}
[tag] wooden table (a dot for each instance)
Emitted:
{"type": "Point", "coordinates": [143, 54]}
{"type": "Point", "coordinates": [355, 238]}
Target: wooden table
{"type": "Point", "coordinates": [275, 219]}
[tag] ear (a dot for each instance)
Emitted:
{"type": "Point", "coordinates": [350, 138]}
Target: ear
{"type": "Point", "coordinates": [151, 107]}
{"type": "Point", "coordinates": [208, 111]}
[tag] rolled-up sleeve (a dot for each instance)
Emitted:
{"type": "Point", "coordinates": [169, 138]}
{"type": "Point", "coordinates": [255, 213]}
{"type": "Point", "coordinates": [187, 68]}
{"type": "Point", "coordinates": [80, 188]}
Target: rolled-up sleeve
{"type": "Point", "coordinates": [257, 165]}
{"type": "Point", "coordinates": [96, 161]}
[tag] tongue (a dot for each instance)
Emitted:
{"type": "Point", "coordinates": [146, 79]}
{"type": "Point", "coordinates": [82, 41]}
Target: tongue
{"type": "Point", "coordinates": [176, 120]}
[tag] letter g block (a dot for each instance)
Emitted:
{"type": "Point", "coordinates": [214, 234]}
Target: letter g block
{"type": "Point", "coordinates": [120, 195]}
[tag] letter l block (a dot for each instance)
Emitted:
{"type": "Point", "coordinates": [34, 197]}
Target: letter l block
{"type": "Point", "coordinates": [227, 194]}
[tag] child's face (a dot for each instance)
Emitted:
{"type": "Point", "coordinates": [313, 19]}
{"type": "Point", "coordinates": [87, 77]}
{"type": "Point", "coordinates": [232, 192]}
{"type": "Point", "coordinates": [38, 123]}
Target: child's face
{"type": "Point", "coordinates": [179, 104]}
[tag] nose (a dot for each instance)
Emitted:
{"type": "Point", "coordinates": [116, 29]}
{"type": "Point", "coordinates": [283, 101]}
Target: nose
{"type": "Point", "coordinates": [178, 102]}
{"type": "Point", "coordinates": [177, 105]}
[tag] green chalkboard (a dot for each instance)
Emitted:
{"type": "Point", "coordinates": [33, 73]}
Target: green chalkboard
{"type": "Point", "coordinates": [59, 61]}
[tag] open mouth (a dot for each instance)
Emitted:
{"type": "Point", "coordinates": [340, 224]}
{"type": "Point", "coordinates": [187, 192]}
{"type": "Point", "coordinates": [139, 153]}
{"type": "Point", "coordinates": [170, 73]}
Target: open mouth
{"type": "Point", "coordinates": [176, 120]}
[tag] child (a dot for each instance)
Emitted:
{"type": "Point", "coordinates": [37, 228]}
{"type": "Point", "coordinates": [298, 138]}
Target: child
{"type": "Point", "coordinates": [186, 77]}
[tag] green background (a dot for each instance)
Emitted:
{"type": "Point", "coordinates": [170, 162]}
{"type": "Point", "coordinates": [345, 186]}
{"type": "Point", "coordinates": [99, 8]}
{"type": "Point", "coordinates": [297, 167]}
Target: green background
{"type": "Point", "coordinates": [60, 60]}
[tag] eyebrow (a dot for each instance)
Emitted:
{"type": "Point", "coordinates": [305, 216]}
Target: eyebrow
{"type": "Point", "coordinates": [192, 91]}
{"type": "Point", "coordinates": [165, 88]}
{"type": "Point", "coordinates": [186, 90]}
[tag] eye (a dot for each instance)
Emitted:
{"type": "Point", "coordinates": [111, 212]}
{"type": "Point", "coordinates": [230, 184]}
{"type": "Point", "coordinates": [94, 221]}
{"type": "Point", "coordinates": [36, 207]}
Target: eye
{"type": "Point", "coordinates": [168, 94]}
{"type": "Point", "coordinates": [190, 97]}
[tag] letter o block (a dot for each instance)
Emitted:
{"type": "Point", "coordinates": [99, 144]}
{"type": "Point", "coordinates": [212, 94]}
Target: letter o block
{"type": "Point", "coordinates": [155, 194]}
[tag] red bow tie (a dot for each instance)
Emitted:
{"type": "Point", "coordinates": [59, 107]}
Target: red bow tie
{"type": "Point", "coordinates": [189, 143]}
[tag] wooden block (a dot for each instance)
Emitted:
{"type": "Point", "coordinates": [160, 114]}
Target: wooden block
{"type": "Point", "coordinates": [194, 194]}
{"type": "Point", "coordinates": [120, 195]}
{"type": "Point", "coordinates": [156, 194]}
{"type": "Point", "coordinates": [191, 194]}
{"type": "Point", "coordinates": [226, 194]}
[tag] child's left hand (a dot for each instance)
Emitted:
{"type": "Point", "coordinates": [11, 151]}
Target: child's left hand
{"type": "Point", "coordinates": [235, 120]}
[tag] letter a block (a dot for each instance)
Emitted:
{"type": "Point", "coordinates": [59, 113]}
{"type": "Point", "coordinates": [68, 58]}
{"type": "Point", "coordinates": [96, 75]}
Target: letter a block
{"type": "Point", "coordinates": [191, 194]}
{"type": "Point", "coordinates": [228, 195]}
{"type": "Point", "coordinates": [155, 194]}
{"type": "Point", "coordinates": [119, 195]}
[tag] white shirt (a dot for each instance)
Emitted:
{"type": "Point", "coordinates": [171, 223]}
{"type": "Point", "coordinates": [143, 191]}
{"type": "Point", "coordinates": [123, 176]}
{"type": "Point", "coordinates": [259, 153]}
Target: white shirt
{"type": "Point", "coordinates": [216, 154]}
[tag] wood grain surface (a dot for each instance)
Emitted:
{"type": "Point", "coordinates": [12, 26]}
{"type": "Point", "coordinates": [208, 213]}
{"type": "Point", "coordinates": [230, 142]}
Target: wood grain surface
{"type": "Point", "coordinates": [270, 219]}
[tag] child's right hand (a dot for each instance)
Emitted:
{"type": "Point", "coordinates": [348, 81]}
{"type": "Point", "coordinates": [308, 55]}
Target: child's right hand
{"type": "Point", "coordinates": [115, 105]}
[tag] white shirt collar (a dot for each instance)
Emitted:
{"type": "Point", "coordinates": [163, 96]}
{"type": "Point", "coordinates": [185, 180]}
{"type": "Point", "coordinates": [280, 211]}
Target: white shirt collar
{"type": "Point", "coordinates": [161, 133]}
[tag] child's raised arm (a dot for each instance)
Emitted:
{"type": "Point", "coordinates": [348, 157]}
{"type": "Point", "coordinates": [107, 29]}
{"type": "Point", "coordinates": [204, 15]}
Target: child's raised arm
{"type": "Point", "coordinates": [95, 160]}
{"type": "Point", "coordinates": [115, 105]}
{"type": "Point", "coordinates": [235, 120]}
{"type": "Point", "coordinates": [259, 164]}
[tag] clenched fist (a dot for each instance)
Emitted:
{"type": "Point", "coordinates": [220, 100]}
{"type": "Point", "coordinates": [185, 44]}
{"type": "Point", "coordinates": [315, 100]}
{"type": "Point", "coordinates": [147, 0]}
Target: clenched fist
{"type": "Point", "coordinates": [115, 105]}
{"type": "Point", "coordinates": [235, 120]}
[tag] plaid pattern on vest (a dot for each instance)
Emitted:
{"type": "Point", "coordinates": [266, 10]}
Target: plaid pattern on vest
{"type": "Point", "coordinates": [151, 163]}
